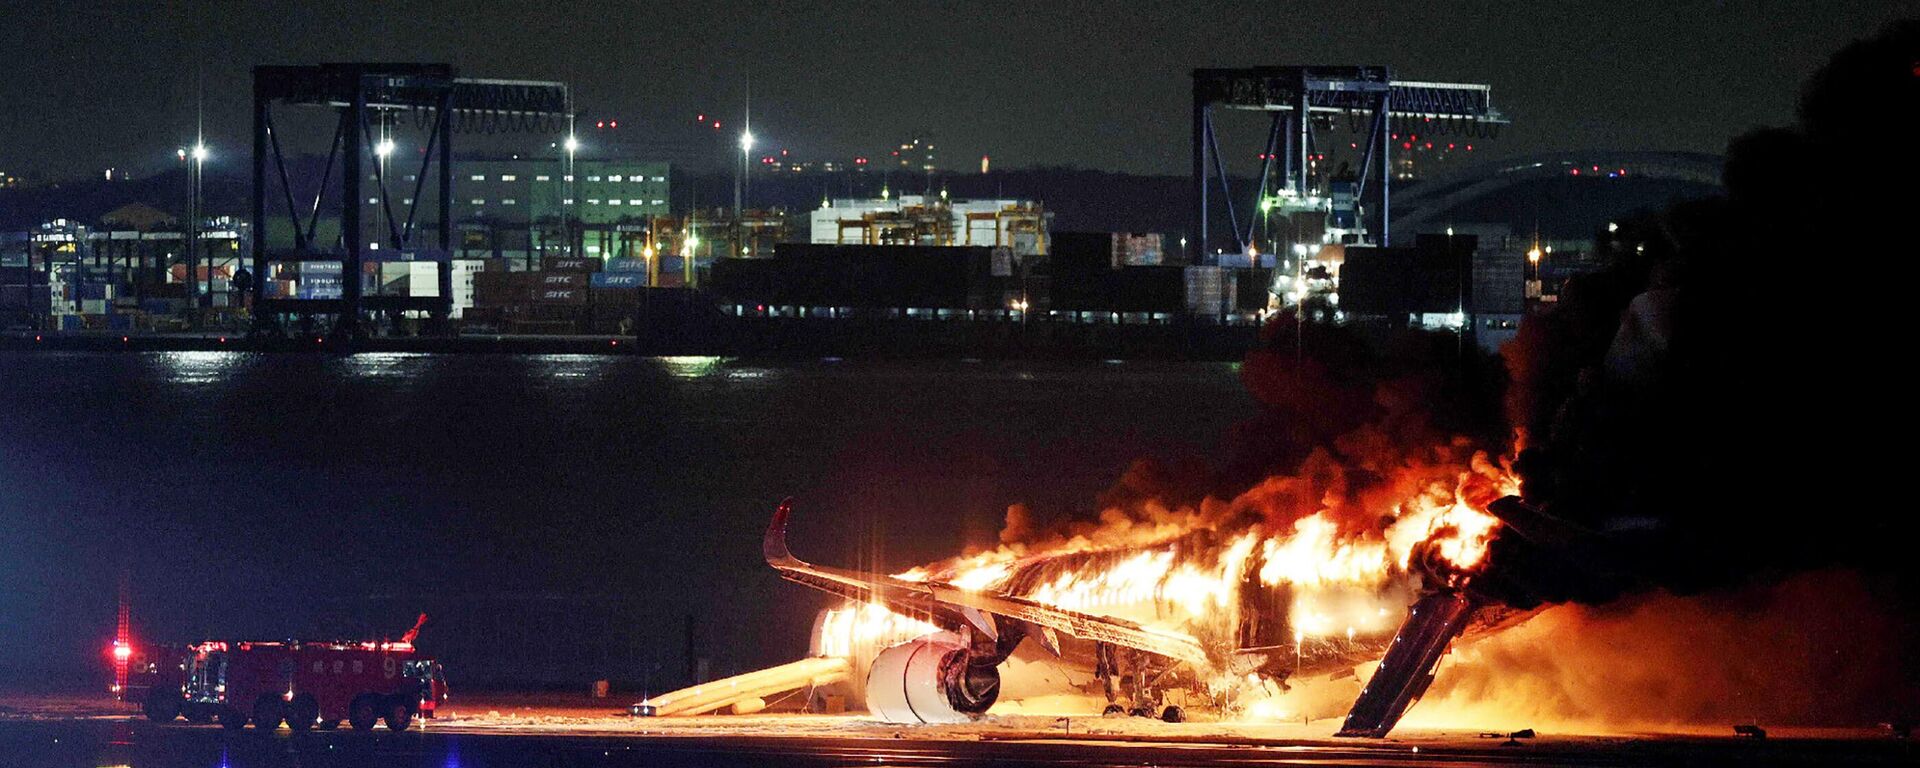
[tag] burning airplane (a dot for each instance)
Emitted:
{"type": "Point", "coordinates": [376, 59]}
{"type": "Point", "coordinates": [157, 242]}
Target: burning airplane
{"type": "Point", "coordinates": [1220, 614]}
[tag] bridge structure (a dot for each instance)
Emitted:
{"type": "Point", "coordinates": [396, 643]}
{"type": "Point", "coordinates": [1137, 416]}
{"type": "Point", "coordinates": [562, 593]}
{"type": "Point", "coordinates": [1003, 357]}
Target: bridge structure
{"type": "Point", "coordinates": [367, 98]}
{"type": "Point", "coordinates": [1424, 205]}
{"type": "Point", "coordinates": [1292, 96]}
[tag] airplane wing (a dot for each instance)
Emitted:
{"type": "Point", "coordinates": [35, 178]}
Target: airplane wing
{"type": "Point", "coordinates": [951, 606]}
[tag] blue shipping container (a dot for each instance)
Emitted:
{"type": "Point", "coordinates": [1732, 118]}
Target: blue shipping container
{"type": "Point", "coordinates": [618, 279]}
{"type": "Point", "coordinates": [320, 287]}
{"type": "Point", "coordinates": [626, 265]}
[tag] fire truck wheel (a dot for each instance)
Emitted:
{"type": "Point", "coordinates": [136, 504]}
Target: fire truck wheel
{"type": "Point", "coordinates": [363, 713]}
{"type": "Point", "coordinates": [268, 712]}
{"type": "Point", "coordinates": [302, 711]}
{"type": "Point", "coordinates": [230, 718]}
{"type": "Point", "coordinates": [399, 715]}
{"type": "Point", "coordinates": [161, 706]}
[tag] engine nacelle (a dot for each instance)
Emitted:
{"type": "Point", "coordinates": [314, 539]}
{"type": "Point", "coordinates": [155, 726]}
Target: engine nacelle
{"type": "Point", "coordinates": [933, 679]}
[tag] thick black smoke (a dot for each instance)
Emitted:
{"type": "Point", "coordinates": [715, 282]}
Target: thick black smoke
{"type": "Point", "coordinates": [1717, 400]}
{"type": "Point", "coordinates": [1727, 404]}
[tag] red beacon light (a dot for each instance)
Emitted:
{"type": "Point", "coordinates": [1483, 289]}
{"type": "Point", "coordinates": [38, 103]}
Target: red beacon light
{"type": "Point", "coordinates": [121, 651]}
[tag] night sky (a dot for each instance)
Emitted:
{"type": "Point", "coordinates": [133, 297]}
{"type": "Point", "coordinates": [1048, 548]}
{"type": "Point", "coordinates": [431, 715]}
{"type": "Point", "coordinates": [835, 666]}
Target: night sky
{"type": "Point", "coordinates": [90, 85]}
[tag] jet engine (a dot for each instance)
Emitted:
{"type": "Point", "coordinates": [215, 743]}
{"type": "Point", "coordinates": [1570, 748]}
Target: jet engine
{"type": "Point", "coordinates": [932, 679]}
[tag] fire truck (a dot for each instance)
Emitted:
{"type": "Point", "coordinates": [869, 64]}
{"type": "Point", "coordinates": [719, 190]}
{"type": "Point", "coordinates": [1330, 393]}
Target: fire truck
{"type": "Point", "coordinates": [307, 684]}
{"type": "Point", "coordinates": [155, 677]}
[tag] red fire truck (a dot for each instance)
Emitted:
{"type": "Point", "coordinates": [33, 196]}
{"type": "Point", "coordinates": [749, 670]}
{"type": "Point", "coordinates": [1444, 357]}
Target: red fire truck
{"type": "Point", "coordinates": [307, 684]}
{"type": "Point", "coordinates": [156, 677]}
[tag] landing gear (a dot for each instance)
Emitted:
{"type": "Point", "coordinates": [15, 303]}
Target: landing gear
{"type": "Point", "coordinates": [1141, 711]}
{"type": "Point", "coordinates": [1113, 709]}
{"type": "Point", "coordinates": [230, 718]}
{"type": "Point", "coordinates": [1173, 714]}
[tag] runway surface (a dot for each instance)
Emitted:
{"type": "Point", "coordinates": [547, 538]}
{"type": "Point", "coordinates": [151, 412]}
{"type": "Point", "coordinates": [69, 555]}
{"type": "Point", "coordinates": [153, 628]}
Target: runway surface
{"type": "Point", "coordinates": [97, 742]}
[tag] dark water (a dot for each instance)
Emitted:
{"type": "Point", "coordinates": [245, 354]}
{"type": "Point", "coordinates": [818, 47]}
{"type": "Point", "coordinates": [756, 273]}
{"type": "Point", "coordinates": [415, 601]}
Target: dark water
{"type": "Point", "coordinates": [560, 517]}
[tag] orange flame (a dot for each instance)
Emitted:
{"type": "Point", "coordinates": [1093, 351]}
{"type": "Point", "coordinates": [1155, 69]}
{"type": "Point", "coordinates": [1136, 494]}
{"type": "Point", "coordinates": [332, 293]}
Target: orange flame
{"type": "Point", "coordinates": [1185, 570]}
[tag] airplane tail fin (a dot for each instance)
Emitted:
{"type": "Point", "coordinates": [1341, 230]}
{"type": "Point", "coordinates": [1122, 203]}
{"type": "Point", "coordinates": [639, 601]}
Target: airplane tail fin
{"type": "Point", "coordinates": [774, 546]}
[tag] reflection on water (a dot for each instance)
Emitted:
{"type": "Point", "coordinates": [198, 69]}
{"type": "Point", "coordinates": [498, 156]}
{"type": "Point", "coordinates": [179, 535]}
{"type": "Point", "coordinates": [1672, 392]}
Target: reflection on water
{"type": "Point", "coordinates": [573, 368]}
{"type": "Point", "coordinates": [383, 365]}
{"type": "Point", "coordinates": [196, 368]}
{"type": "Point", "coordinates": [690, 366]}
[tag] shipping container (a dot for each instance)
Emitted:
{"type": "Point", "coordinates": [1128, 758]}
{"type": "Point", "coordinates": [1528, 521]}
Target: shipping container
{"type": "Point", "coordinates": [1254, 288]}
{"type": "Point", "coordinates": [614, 297]}
{"type": "Point", "coordinates": [570, 264]}
{"type": "Point", "coordinates": [549, 295]}
{"type": "Point", "coordinates": [1137, 250]}
{"type": "Point", "coordinates": [627, 265]}
{"type": "Point", "coordinates": [618, 279]}
{"type": "Point", "coordinates": [1434, 276]}
{"type": "Point", "coordinates": [179, 272]}
{"type": "Point", "coordinates": [550, 280]}
{"type": "Point", "coordinates": [1078, 252]}
{"type": "Point", "coordinates": [1208, 289]}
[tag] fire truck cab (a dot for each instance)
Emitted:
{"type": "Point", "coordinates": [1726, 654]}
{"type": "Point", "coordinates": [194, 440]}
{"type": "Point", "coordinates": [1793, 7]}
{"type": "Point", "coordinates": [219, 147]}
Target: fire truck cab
{"type": "Point", "coordinates": [156, 678]}
{"type": "Point", "coordinates": [309, 684]}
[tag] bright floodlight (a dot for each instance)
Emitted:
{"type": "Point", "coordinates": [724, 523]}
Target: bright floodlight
{"type": "Point", "coordinates": [181, 153]}
{"type": "Point", "coordinates": [573, 144]}
{"type": "Point", "coordinates": [384, 148]}
{"type": "Point", "coordinates": [200, 152]}
{"type": "Point", "coordinates": [746, 141]}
